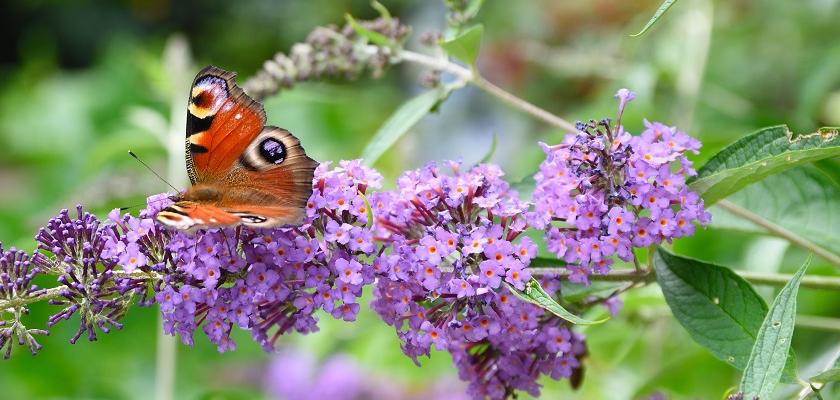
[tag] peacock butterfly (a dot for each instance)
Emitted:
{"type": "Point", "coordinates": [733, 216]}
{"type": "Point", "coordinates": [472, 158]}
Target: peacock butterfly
{"type": "Point", "coordinates": [242, 171]}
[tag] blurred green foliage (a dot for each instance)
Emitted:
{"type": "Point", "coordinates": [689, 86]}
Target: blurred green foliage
{"type": "Point", "coordinates": [72, 72]}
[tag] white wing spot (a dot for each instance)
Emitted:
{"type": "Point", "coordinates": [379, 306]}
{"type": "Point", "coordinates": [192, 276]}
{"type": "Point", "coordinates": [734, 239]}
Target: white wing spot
{"type": "Point", "coordinates": [213, 220]}
{"type": "Point", "coordinates": [238, 116]}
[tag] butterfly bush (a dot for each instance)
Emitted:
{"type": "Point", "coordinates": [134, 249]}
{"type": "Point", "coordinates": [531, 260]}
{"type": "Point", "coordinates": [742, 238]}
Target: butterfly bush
{"type": "Point", "coordinates": [455, 243]}
{"type": "Point", "coordinates": [73, 247]}
{"type": "Point", "coordinates": [602, 192]}
{"type": "Point", "coordinates": [271, 281]}
{"type": "Point", "coordinates": [445, 254]}
{"type": "Point", "coordinates": [16, 274]}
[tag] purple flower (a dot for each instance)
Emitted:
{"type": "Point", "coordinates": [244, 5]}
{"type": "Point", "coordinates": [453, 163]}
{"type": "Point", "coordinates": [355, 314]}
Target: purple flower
{"type": "Point", "coordinates": [349, 271]}
{"type": "Point", "coordinates": [491, 272]}
{"type": "Point", "coordinates": [461, 288]}
{"type": "Point", "coordinates": [450, 240]}
{"type": "Point", "coordinates": [346, 311]}
{"type": "Point", "coordinates": [16, 274]}
{"type": "Point", "coordinates": [517, 275]}
{"type": "Point", "coordinates": [603, 191]}
{"type": "Point", "coordinates": [339, 233]}
{"type": "Point", "coordinates": [624, 96]}
{"type": "Point", "coordinates": [620, 221]}
{"type": "Point", "coordinates": [526, 249]}
{"type": "Point", "coordinates": [429, 250]}
{"type": "Point", "coordinates": [558, 340]}
{"type": "Point", "coordinates": [131, 257]}
{"type": "Point", "coordinates": [74, 248]}
{"type": "Point", "coordinates": [269, 281]}
{"type": "Point", "coordinates": [613, 304]}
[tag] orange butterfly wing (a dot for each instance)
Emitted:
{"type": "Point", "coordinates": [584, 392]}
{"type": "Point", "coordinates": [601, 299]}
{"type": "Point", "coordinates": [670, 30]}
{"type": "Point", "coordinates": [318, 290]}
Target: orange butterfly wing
{"type": "Point", "coordinates": [242, 171]}
{"type": "Point", "coordinates": [221, 121]}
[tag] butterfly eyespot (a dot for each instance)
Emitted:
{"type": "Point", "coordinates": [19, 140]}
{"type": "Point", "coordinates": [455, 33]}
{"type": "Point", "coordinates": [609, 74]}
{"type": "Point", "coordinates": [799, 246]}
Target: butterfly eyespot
{"type": "Point", "coordinates": [228, 144]}
{"type": "Point", "coordinates": [203, 99]}
{"type": "Point", "coordinates": [272, 150]}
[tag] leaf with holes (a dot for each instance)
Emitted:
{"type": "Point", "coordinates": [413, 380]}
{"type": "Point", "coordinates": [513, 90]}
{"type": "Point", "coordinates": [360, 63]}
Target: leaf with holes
{"type": "Point", "coordinates": [804, 201]}
{"type": "Point", "coordinates": [401, 121]}
{"type": "Point", "coordinates": [772, 345]}
{"type": "Point", "coordinates": [759, 155]}
{"type": "Point", "coordinates": [535, 294]}
{"type": "Point", "coordinates": [719, 309]}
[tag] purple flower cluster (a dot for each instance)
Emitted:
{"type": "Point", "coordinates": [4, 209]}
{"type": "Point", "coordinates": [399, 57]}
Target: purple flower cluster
{"type": "Point", "coordinates": [603, 192]}
{"type": "Point", "coordinates": [139, 246]}
{"type": "Point", "coordinates": [454, 240]}
{"type": "Point", "coordinates": [16, 274]}
{"type": "Point", "coordinates": [272, 281]}
{"type": "Point", "coordinates": [73, 248]}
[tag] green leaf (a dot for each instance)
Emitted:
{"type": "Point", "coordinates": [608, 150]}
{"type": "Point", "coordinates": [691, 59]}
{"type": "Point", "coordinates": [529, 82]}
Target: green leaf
{"type": "Point", "coordinates": [573, 292]}
{"type": "Point", "coordinates": [472, 9]}
{"type": "Point", "coordinates": [804, 201]}
{"type": "Point", "coordinates": [719, 309]}
{"type": "Point", "coordinates": [490, 152]}
{"type": "Point", "coordinates": [658, 14]}
{"type": "Point", "coordinates": [368, 210]}
{"type": "Point", "coordinates": [373, 37]}
{"type": "Point", "coordinates": [228, 394]}
{"type": "Point", "coordinates": [465, 46]}
{"type": "Point", "coordinates": [829, 375]}
{"type": "Point", "coordinates": [401, 121]}
{"type": "Point", "coordinates": [535, 294]}
{"type": "Point", "coordinates": [771, 350]}
{"type": "Point", "coordinates": [525, 187]}
{"type": "Point", "coordinates": [381, 9]}
{"type": "Point", "coordinates": [761, 154]}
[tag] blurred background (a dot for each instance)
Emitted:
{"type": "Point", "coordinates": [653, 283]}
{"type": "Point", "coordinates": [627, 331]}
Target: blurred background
{"type": "Point", "coordinates": [82, 82]}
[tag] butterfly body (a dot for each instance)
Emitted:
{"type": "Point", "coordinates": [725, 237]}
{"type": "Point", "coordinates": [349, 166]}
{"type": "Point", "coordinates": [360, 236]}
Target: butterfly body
{"type": "Point", "coordinates": [242, 171]}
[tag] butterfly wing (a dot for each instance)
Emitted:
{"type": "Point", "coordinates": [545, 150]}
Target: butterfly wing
{"type": "Point", "coordinates": [242, 171]}
{"type": "Point", "coordinates": [188, 215]}
{"type": "Point", "coordinates": [272, 181]}
{"type": "Point", "coordinates": [221, 121]}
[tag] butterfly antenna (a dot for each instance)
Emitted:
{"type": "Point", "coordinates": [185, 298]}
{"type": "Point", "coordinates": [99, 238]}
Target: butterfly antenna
{"type": "Point", "coordinates": [130, 207]}
{"type": "Point", "coordinates": [150, 202]}
{"type": "Point", "coordinates": [131, 153]}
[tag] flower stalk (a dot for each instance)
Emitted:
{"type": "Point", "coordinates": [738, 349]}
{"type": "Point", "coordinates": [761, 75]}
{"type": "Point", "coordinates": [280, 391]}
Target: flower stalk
{"type": "Point", "coordinates": [617, 275]}
{"type": "Point", "coordinates": [649, 276]}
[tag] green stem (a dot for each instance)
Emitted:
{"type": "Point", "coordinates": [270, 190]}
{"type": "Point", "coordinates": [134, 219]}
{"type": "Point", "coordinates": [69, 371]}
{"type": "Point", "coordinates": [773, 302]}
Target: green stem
{"type": "Point", "coordinates": [818, 323]}
{"type": "Point", "coordinates": [646, 276]}
{"type": "Point", "coordinates": [54, 293]}
{"type": "Point", "coordinates": [166, 351]}
{"type": "Point", "coordinates": [473, 78]}
{"type": "Point", "coordinates": [779, 231]}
